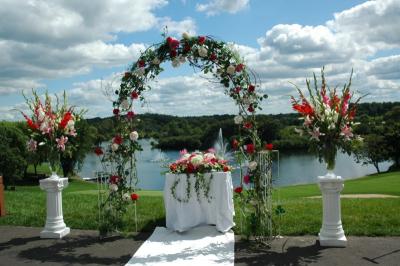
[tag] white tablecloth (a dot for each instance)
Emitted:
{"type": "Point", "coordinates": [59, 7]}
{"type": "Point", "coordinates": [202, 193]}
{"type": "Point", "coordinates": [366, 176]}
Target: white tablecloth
{"type": "Point", "coordinates": [181, 216]}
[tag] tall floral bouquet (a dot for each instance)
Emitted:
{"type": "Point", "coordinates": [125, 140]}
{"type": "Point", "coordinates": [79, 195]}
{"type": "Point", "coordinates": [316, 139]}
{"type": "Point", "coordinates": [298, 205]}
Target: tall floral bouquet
{"type": "Point", "coordinates": [198, 164]}
{"type": "Point", "coordinates": [328, 118]}
{"type": "Point", "coordinates": [51, 127]}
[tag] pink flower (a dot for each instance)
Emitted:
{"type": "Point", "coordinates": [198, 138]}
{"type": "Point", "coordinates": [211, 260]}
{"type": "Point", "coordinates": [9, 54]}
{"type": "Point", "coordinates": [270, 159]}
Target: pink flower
{"type": "Point", "coordinates": [315, 134]}
{"type": "Point", "coordinates": [183, 152]}
{"type": "Point", "coordinates": [32, 145]}
{"type": "Point", "coordinates": [211, 150]}
{"type": "Point", "coordinates": [61, 142]}
{"type": "Point", "coordinates": [347, 133]}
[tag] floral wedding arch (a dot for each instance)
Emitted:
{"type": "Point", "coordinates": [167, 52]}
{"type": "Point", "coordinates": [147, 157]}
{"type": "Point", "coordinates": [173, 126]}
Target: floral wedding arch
{"type": "Point", "coordinates": [211, 57]}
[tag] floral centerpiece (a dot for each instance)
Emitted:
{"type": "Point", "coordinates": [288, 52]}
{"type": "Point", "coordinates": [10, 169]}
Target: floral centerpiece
{"type": "Point", "coordinates": [198, 164]}
{"type": "Point", "coordinates": [51, 128]}
{"type": "Point", "coordinates": [328, 119]}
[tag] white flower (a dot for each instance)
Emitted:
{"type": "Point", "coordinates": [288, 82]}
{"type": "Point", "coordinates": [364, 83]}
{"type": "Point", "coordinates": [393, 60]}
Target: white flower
{"type": "Point", "coordinates": [134, 136]}
{"type": "Point", "coordinates": [203, 52]}
{"type": "Point", "coordinates": [186, 156]}
{"type": "Point", "coordinates": [209, 156]}
{"type": "Point", "coordinates": [140, 71]}
{"type": "Point", "coordinates": [32, 145]}
{"type": "Point", "coordinates": [185, 36]}
{"type": "Point", "coordinates": [175, 63]}
{"type": "Point", "coordinates": [71, 124]}
{"type": "Point", "coordinates": [230, 70]}
{"type": "Point", "coordinates": [125, 104]}
{"type": "Point", "coordinates": [126, 197]}
{"type": "Point", "coordinates": [238, 119]}
{"type": "Point", "coordinates": [41, 114]}
{"type": "Point", "coordinates": [182, 59]}
{"type": "Point", "coordinates": [197, 159]}
{"type": "Point", "coordinates": [252, 165]}
{"type": "Point", "coordinates": [156, 61]}
{"type": "Point", "coordinates": [114, 147]}
{"type": "Point", "coordinates": [113, 188]}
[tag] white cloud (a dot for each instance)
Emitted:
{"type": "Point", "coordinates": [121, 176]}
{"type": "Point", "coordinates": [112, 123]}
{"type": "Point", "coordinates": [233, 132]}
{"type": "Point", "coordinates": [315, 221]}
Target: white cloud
{"type": "Point", "coordinates": [59, 39]}
{"type": "Point", "coordinates": [214, 7]}
{"type": "Point", "coordinates": [178, 27]}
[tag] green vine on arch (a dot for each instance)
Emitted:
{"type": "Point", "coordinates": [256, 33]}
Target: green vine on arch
{"type": "Point", "coordinates": [213, 57]}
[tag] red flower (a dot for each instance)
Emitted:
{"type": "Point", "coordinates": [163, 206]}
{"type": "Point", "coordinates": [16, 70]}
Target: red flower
{"type": "Point", "coordinates": [118, 140]}
{"type": "Point", "coordinates": [269, 146]}
{"type": "Point", "coordinates": [173, 53]}
{"type": "Point", "coordinates": [190, 168]}
{"type": "Point", "coordinates": [134, 95]}
{"type": "Point", "coordinates": [226, 168]}
{"type": "Point", "coordinates": [173, 167]}
{"type": "Point", "coordinates": [238, 190]}
{"type": "Point", "coordinates": [239, 67]}
{"type": "Point", "coordinates": [134, 197]}
{"type": "Point", "coordinates": [251, 108]}
{"type": "Point", "coordinates": [98, 151]}
{"type": "Point", "coordinates": [238, 89]}
{"type": "Point", "coordinates": [186, 48]}
{"type": "Point", "coordinates": [304, 108]}
{"type": "Point", "coordinates": [250, 148]}
{"type": "Point", "coordinates": [251, 88]}
{"type": "Point", "coordinates": [65, 120]}
{"type": "Point", "coordinates": [248, 125]}
{"type": "Point", "coordinates": [114, 179]}
{"type": "Point", "coordinates": [202, 40]}
{"type": "Point", "coordinates": [127, 75]}
{"type": "Point", "coordinates": [235, 144]}
{"type": "Point", "coordinates": [141, 63]}
{"type": "Point", "coordinates": [213, 57]}
{"type": "Point", "coordinates": [352, 113]}
{"type": "Point", "coordinates": [173, 43]}
{"type": "Point", "coordinates": [246, 179]}
{"type": "Point", "coordinates": [30, 123]}
{"type": "Point", "coordinates": [130, 115]}
{"type": "Point", "coordinates": [116, 111]}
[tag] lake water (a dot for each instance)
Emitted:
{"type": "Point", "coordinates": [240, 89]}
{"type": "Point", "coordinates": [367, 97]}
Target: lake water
{"type": "Point", "coordinates": [299, 168]}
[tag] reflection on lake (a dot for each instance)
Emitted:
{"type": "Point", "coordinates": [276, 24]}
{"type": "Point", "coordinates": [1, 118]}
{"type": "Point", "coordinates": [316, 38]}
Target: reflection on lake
{"type": "Point", "coordinates": [296, 168]}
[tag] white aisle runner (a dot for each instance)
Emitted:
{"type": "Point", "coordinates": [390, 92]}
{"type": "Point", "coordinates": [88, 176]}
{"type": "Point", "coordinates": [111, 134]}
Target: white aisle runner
{"type": "Point", "coordinates": [198, 246]}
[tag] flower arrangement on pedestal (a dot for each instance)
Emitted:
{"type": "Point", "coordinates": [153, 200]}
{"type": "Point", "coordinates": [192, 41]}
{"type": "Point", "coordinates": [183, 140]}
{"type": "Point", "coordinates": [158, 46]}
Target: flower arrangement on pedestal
{"type": "Point", "coordinates": [197, 164]}
{"type": "Point", "coordinates": [51, 128]}
{"type": "Point", "coordinates": [328, 119]}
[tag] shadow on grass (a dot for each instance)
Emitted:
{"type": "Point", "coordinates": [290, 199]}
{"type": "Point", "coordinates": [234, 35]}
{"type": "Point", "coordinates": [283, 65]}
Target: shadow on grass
{"type": "Point", "coordinates": [249, 253]}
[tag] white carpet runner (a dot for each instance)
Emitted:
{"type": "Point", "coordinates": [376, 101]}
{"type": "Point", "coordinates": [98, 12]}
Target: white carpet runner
{"type": "Point", "coordinates": [199, 246]}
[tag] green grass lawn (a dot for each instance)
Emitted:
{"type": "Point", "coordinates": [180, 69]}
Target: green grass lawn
{"type": "Point", "coordinates": [372, 217]}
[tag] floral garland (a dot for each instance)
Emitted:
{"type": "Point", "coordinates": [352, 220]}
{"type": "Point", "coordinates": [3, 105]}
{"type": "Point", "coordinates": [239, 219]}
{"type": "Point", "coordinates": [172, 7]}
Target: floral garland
{"type": "Point", "coordinates": [210, 56]}
{"type": "Point", "coordinates": [198, 164]}
{"type": "Point", "coordinates": [51, 127]}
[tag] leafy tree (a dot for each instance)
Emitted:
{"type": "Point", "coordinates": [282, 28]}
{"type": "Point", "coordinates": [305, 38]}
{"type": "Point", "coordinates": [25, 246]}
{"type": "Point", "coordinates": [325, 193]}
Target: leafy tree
{"type": "Point", "coordinates": [373, 150]}
{"type": "Point", "coordinates": [83, 142]}
{"type": "Point", "coordinates": [12, 153]}
{"type": "Point", "coordinates": [392, 136]}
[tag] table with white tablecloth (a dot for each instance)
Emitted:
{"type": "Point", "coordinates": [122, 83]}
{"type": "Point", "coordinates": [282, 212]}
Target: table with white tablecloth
{"type": "Point", "coordinates": [218, 211]}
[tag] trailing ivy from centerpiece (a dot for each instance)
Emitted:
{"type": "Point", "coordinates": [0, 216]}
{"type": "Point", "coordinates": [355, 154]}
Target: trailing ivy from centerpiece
{"type": "Point", "coordinates": [197, 164]}
{"type": "Point", "coordinates": [215, 58]}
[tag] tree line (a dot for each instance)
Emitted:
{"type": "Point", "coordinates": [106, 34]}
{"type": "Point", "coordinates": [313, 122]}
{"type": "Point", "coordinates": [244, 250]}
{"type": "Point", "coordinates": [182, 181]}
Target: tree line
{"type": "Point", "coordinates": [379, 126]}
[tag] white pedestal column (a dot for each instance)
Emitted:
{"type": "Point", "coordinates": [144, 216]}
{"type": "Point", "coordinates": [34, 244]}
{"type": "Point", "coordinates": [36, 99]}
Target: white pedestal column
{"type": "Point", "coordinates": [331, 233]}
{"type": "Point", "coordinates": [55, 226]}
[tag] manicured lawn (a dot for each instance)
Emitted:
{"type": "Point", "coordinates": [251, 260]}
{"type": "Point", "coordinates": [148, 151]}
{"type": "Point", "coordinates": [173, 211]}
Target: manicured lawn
{"type": "Point", "coordinates": [373, 217]}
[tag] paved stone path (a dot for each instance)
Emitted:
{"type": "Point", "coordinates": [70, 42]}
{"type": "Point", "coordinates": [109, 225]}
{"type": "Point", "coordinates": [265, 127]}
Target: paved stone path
{"type": "Point", "coordinates": [22, 246]}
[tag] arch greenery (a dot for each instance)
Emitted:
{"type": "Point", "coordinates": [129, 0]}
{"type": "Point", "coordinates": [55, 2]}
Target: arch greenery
{"type": "Point", "coordinates": [212, 57]}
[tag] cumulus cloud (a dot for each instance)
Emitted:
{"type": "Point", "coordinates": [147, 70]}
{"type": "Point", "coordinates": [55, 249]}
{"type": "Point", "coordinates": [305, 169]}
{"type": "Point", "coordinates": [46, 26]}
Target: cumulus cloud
{"type": "Point", "coordinates": [214, 7]}
{"type": "Point", "coordinates": [58, 39]}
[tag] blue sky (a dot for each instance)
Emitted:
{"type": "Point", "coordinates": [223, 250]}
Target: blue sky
{"type": "Point", "coordinates": [82, 47]}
